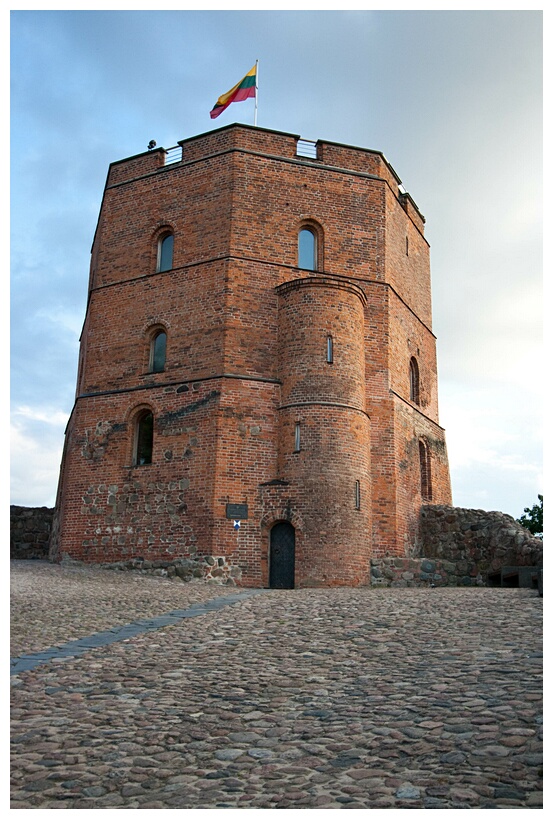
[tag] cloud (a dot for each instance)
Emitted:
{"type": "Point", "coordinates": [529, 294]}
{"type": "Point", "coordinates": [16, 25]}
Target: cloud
{"type": "Point", "coordinates": [36, 447]}
{"type": "Point", "coordinates": [494, 447]}
{"type": "Point", "coordinates": [55, 418]}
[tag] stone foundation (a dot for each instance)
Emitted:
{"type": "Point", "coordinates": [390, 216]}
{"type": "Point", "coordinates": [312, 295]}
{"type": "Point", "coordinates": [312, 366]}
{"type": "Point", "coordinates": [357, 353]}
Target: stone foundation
{"type": "Point", "coordinates": [408, 572]}
{"type": "Point", "coordinates": [459, 547]}
{"type": "Point", "coordinates": [206, 569]}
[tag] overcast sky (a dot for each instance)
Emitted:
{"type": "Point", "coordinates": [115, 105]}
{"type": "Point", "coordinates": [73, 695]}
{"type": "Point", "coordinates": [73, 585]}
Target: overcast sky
{"type": "Point", "coordinates": [452, 98]}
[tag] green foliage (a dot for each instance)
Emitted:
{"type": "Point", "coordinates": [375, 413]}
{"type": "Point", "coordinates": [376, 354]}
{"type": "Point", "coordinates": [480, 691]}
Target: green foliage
{"type": "Point", "coordinates": [533, 518]}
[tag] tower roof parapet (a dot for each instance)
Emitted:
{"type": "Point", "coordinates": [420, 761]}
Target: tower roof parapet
{"type": "Point", "coordinates": [268, 142]}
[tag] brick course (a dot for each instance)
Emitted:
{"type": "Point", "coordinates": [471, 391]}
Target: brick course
{"type": "Point", "coordinates": [246, 362]}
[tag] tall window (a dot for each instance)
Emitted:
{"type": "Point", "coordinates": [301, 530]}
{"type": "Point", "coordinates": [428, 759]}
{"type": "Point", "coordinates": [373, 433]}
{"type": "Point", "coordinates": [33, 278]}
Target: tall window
{"type": "Point", "coordinates": [158, 349]}
{"type": "Point", "coordinates": [414, 384]}
{"type": "Point", "coordinates": [307, 249]}
{"type": "Point", "coordinates": [297, 438]}
{"type": "Point", "coordinates": [357, 495]}
{"type": "Point", "coordinates": [144, 438]}
{"type": "Point", "coordinates": [165, 253]}
{"type": "Point", "coordinates": [425, 470]}
{"type": "Point", "coordinates": [329, 349]}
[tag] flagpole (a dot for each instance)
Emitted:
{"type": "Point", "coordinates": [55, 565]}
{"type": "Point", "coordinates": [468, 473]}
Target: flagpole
{"type": "Point", "coordinates": [256, 88]}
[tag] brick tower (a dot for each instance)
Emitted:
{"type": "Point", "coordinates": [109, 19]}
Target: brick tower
{"type": "Point", "coordinates": [258, 348]}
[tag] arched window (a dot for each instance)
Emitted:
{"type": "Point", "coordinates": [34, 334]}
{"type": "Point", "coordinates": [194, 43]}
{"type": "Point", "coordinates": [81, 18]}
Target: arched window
{"type": "Point", "coordinates": [158, 349]}
{"type": "Point", "coordinates": [414, 383]}
{"type": "Point", "coordinates": [143, 438]}
{"type": "Point", "coordinates": [307, 249]}
{"type": "Point", "coordinates": [425, 470]}
{"type": "Point", "coordinates": [165, 253]}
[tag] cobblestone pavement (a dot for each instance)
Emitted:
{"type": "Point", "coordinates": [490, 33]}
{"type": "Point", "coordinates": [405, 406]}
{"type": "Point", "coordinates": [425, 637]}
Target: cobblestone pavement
{"type": "Point", "coordinates": [326, 698]}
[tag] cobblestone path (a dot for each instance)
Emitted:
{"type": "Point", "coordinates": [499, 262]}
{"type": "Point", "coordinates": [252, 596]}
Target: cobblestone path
{"type": "Point", "coordinates": [327, 698]}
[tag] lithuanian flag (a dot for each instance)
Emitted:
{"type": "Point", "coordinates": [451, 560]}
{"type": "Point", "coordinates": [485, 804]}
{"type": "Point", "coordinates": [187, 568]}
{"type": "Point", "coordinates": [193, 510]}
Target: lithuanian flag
{"type": "Point", "coordinates": [243, 90]}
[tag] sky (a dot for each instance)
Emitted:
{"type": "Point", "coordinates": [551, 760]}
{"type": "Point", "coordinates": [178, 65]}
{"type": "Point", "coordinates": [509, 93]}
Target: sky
{"type": "Point", "coordinates": [453, 99]}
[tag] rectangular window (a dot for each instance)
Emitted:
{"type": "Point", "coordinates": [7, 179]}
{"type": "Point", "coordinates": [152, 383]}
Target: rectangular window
{"type": "Point", "coordinates": [329, 350]}
{"type": "Point", "coordinates": [357, 495]}
{"type": "Point", "coordinates": [297, 438]}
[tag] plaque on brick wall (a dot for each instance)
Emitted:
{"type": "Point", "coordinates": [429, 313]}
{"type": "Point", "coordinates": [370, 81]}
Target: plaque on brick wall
{"type": "Point", "coordinates": [238, 511]}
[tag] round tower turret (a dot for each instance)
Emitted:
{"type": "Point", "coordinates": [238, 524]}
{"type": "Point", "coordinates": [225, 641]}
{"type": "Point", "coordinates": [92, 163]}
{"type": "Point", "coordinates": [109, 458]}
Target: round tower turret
{"type": "Point", "coordinates": [324, 442]}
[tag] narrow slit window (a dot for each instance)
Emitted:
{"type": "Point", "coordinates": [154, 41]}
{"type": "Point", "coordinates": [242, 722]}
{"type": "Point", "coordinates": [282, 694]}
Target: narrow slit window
{"type": "Point", "coordinates": [297, 438]}
{"type": "Point", "coordinates": [425, 470]}
{"type": "Point", "coordinates": [144, 441]}
{"type": "Point", "coordinates": [158, 351]}
{"type": "Point", "coordinates": [406, 245]}
{"type": "Point", "coordinates": [357, 495]}
{"type": "Point", "coordinates": [165, 253]}
{"type": "Point", "coordinates": [414, 381]}
{"type": "Point", "coordinates": [329, 350]}
{"type": "Point", "coordinates": [307, 249]}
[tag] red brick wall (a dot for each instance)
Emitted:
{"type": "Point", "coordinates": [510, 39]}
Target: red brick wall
{"type": "Point", "coordinates": [246, 360]}
{"type": "Point", "coordinates": [188, 303]}
{"type": "Point", "coordinates": [239, 137]}
{"type": "Point", "coordinates": [327, 400]}
{"type": "Point", "coordinates": [407, 261]}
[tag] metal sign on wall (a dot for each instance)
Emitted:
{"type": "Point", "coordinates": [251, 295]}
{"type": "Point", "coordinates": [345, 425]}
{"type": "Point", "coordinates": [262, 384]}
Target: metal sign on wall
{"type": "Point", "coordinates": [237, 511]}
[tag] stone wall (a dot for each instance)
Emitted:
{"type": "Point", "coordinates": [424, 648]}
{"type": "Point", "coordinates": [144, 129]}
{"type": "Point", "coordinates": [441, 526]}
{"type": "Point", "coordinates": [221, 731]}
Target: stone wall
{"type": "Point", "coordinates": [463, 547]}
{"type": "Point", "coordinates": [485, 540]}
{"type": "Point", "coordinates": [30, 532]}
{"type": "Point", "coordinates": [207, 568]}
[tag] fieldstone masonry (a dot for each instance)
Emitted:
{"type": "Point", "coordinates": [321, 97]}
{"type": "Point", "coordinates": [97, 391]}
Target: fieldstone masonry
{"type": "Point", "coordinates": [135, 516]}
{"type": "Point", "coordinates": [457, 547]}
{"type": "Point", "coordinates": [208, 568]}
{"type": "Point", "coordinates": [461, 547]}
{"type": "Point", "coordinates": [30, 532]}
{"type": "Point", "coordinates": [486, 540]}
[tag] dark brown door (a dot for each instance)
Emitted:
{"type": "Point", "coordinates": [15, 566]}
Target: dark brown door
{"type": "Point", "coordinates": [282, 556]}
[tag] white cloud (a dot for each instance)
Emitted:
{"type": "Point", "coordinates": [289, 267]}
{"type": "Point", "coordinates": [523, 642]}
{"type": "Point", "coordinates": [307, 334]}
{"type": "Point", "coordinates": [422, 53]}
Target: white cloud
{"type": "Point", "coordinates": [56, 418]}
{"type": "Point", "coordinates": [36, 448]}
{"type": "Point", "coordinates": [494, 446]}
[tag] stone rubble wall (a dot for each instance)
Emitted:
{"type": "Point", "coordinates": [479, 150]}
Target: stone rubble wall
{"type": "Point", "coordinates": [30, 532]}
{"type": "Point", "coordinates": [460, 547]}
{"type": "Point", "coordinates": [411, 571]}
{"type": "Point", "coordinates": [207, 569]}
{"type": "Point", "coordinates": [489, 540]}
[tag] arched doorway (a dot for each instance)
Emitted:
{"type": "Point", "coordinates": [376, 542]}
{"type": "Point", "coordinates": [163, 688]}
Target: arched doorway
{"type": "Point", "coordinates": [282, 556]}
